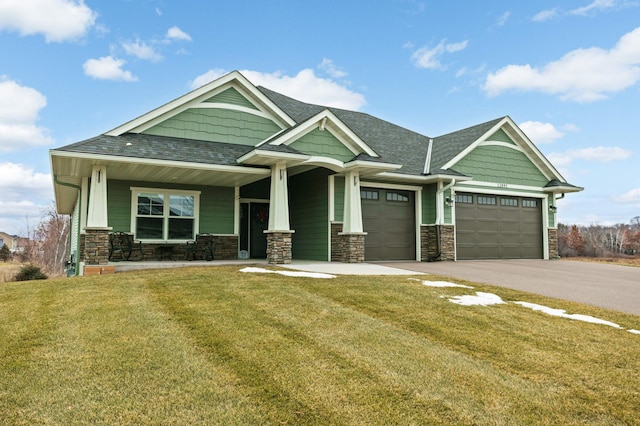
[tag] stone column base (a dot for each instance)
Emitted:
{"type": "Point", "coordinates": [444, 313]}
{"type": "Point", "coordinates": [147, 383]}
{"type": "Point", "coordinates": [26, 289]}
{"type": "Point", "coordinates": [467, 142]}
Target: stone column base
{"type": "Point", "coordinates": [553, 244]}
{"type": "Point", "coordinates": [279, 247]}
{"type": "Point", "coordinates": [437, 242]}
{"type": "Point", "coordinates": [350, 247]}
{"type": "Point", "coordinates": [96, 246]}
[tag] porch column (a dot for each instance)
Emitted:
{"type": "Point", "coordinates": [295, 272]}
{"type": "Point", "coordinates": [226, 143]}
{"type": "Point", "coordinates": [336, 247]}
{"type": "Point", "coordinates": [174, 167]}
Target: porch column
{"type": "Point", "coordinates": [96, 245]}
{"type": "Point", "coordinates": [97, 212]}
{"type": "Point", "coordinates": [351, 239]}
{"type": "Point", "coordinates": [279, 234]}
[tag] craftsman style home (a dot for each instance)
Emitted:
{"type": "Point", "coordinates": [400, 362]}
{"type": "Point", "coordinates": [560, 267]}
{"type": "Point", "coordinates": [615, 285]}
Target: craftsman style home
{"type": "Point", "coordinates": [263, 175]}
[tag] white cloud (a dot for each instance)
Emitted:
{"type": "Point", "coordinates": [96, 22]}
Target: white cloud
{"type": "Point", "coordinates": [582, 75]}
{"type": "Point", "coordinates": [25, 196]}
{"type": "Point", "coordinates": [175, 33]}
{"type": "Point", "coordinates": [502, 19]}
{"type": "Point", "coordinates": [631, 197]}
{"type": "Point", "coordinates": [540, 132]}
{"type": "Point", "coordinates": [545, 15]}
{"type": "Point", "coordinates": [595, 6]}
{"type": "Point", "coordinates": [330, 68]}
{"type": "Point", "coordinates": [141, 50]}
{"type": "Point", "coordinates": [19, 109]}
{"type": "Point", "coordinates": [108, 68]}
{"type": "Point", "coordinates": [57, 20]}
{"type": "Point", "coordinates": [429, 57]}
{"type": "Point", "coordinates": [598, 154]}
{"type": "Point", "coordinates": [304, 86]}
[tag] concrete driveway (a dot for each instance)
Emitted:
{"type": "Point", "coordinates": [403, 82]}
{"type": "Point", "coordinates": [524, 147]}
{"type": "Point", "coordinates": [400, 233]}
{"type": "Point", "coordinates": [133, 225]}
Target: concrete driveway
{"type": "Point", "coordinates": [606, 286]}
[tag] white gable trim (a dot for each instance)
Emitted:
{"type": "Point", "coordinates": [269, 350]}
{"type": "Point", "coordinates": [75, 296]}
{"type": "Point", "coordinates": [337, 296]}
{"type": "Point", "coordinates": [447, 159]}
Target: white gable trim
{"type": "Point", "coordinates": [522, 142]}
{"type": "Point", "coordinates": [194, 98]}
{"type": "Point", "coordinates": [327, 121]}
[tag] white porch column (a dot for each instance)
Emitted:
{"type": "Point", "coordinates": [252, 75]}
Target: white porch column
{"type": "Point", "coordinates": [352, 219]}
{"type": "Point", "coordinates": [279, 199]}
{"type": "Point", "coordinates": [97, 212]}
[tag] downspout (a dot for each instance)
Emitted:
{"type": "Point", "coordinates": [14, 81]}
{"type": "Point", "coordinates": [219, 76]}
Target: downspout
{"type": "Point", "coordinates": [79, 188]}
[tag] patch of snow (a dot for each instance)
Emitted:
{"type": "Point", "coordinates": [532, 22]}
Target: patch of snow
{"type": "Point", "coordinates": [443, 284]}
{"type": "Point", "coordinates": [481, 299]}
{"type": "Point", "coordinates": [562, 313]}
{"type": "Point", "coordinates": [634, 331]}
{"type": "Point", "coordinates": [252, 269]}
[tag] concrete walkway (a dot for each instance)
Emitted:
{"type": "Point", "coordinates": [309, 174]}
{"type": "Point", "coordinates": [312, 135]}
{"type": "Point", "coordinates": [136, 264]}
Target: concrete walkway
{"type": "Point", "coordinates": [606, 286]}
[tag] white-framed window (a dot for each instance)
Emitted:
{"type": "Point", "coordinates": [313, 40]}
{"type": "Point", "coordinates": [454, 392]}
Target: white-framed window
{"type": "Point", "coordinates": [164, 214]}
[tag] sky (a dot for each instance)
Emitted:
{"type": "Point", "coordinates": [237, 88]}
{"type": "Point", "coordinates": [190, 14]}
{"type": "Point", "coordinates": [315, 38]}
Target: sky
{"type": "Point", "coordinates": [567, 72]}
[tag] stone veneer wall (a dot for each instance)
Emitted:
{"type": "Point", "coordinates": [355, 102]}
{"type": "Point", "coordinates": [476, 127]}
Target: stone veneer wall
{"type": "Point", "coordinates": [96, 247]}
{"type": "Point", "coordinates": [225, 248]}
{"type": "Point", "coordinates": [553, 244]}
{"type": "Point", "coordinates": [279, 247]}
{"type": "Point", "coordinates": [430, 249]}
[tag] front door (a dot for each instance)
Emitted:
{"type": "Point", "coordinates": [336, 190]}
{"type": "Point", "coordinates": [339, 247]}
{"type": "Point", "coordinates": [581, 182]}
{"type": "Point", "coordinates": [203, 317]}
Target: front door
{"type": "Point", "coordinates": [254, 220]}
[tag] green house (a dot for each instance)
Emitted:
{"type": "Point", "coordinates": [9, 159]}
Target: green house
{"type": "Point", "coordinates": [266, 176]}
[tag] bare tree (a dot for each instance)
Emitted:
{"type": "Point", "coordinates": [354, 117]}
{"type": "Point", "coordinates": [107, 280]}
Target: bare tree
{"type": "Point", "coordinates": [48, 242]}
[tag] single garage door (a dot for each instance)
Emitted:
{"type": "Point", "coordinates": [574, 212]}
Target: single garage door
{"type": "Point", "coordinates": [388, 217]}
{"type": "Point", "coordinates": [498, 227]}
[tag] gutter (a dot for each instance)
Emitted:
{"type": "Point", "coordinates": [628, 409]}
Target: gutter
{"type": "Point", "coordinates": [79, 188]}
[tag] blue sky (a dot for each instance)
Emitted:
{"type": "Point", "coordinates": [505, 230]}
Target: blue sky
{"type": "Point", "coordinates": [567, 72]}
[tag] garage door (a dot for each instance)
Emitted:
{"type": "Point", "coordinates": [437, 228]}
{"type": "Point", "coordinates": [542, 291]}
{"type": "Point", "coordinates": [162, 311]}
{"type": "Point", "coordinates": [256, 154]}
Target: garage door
{"type": "Point", "coordinates": [498, 227]}
{"type": "Point", "coordinates": [388, 216]}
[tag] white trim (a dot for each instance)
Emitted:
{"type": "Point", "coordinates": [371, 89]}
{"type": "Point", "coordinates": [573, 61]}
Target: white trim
{"type": "Point", "coordinates": [381, 185]}
{"type": "Point", "coordinates": [332, 211]}
{"type": "Point", "coordinates": [135, 190]}
{"type": "Point", "coordinates": [503, 145]}
{"type": "Point", "coordinates": [236, 210]}
{"type": "Point", "coordinates": [502, 186]}
{"type": "Point", "coordinates": [232, 107]}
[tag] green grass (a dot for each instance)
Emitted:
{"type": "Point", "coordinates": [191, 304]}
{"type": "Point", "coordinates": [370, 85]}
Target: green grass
{"type": "Point", "coordinates": [216, 346]}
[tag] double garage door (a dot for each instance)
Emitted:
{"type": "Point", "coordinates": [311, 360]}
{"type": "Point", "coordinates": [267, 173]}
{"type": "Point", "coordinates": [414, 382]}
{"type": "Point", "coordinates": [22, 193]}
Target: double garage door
{"type": "Point", "coordinates": [498, 227]}
{"type": "Point", "coordinates": [388, 217]}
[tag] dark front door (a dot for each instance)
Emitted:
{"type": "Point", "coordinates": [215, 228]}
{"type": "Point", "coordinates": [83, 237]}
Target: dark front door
{"type": "Point", "coordinates": [258, 223]}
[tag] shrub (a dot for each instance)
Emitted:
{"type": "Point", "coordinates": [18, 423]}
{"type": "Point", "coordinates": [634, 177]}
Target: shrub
{"type": "Point", "coordinates": [30, 272]}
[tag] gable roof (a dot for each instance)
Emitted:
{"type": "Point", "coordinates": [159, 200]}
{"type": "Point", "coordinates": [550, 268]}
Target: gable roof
{"type": "Point", "coordinates": [394, 144]}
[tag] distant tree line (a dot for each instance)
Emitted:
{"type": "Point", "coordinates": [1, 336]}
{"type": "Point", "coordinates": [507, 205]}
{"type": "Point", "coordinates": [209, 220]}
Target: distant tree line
{"type": "Point", "coordinates": [599, 240]}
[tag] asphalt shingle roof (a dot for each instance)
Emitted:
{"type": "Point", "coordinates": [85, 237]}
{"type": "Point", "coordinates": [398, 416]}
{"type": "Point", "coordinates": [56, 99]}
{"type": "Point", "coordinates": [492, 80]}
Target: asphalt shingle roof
{"type": "Point", "coordinates": [161, 148]}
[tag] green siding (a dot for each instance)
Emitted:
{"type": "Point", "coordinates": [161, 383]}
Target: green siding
{"type": "Point", "coordinates": [217, 125]}
{"type": "Point", "coordinates": [338, 198]}
{"type": "Point", "coordinates": [501, 136]}
{"type": "Point", "coordinates": [216, 205]}
{"type": "Point", "coordinates": [309, 207]}
{"type": "Point", "coordinates": [233, 97]}
{"type": "Point", "coordinates": [552, 215]}
{"type": "Point", "coordinates": [448, 210]}
{"type": "Point", "coordinates": [429, 204]}
{"type": "Point", "coordinates": [500, 164]}
{"type": "Point", "coordinates": [322, 143]}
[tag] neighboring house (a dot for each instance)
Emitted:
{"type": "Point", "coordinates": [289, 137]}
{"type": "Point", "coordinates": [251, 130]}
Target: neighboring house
{"type": "Point", "coordinates": [272, 177]}
{"type": "Point", "coordinates": [15, 243]}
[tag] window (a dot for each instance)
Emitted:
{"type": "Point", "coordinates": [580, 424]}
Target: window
{"type": "Point", "coordinates": [164, 214]}
{"type": "Point", "coordinates": [486, 200]}
{"type": "Point", "coordinates": [368, 195]}
{"type": "Point", "coordinates": [529, 203]}
{"type": "Point", "coordinates": [396, 196]}
{"type": "Point", "coordinates": [509, 202]}
{"type": "Point", "coordinates": [464, 198]}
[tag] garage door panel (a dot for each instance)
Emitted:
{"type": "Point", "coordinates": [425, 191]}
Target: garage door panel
{"type": "Point", "coordinates": [389, 222]}
{"type": "Point", "coordinates": [498, 229]}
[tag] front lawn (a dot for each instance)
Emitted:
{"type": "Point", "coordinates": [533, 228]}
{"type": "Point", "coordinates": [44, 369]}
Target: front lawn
{"type": "Point", "coordinates": [214, 345]}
